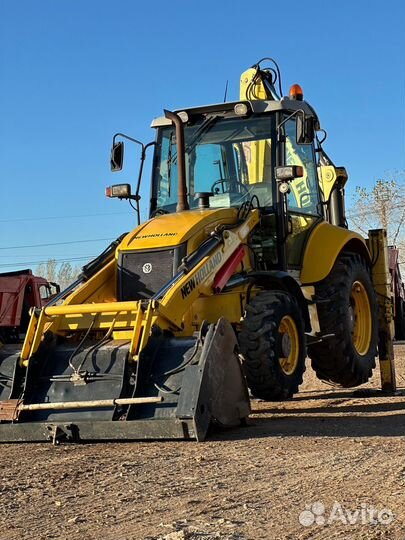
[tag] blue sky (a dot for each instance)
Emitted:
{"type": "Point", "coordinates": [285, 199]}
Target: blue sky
{"type": "Point", "coordinates": [75, 72]}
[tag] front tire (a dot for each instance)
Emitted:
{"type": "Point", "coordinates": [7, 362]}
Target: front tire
{"type": "Point", "coordinates": [272, 342]}
{"type": "Point", "coordinates": [347, 314]}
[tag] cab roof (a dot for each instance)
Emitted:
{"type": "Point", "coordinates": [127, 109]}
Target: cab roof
{"type": "Point", "coordinates": [256, 106]}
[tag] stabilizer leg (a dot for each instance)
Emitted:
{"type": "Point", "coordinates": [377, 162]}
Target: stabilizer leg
{"type": "Point", "coordinates": [382, 283]}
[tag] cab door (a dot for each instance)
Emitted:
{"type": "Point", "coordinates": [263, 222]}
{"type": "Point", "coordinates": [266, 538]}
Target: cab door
{"type": "Point", "coordinates": [303, 201]}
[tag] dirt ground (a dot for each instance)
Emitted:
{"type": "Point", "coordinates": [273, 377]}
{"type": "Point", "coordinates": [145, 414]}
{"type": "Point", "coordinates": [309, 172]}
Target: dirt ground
{"type": "Point", "coordinates": [328, 455]}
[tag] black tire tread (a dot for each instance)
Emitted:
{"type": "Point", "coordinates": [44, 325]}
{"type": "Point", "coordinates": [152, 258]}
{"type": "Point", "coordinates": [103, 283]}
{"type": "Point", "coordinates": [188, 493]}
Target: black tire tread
{"type": "Point", "coordinates": [257, 340]}
{"type": "Point", "coordinates": [335, 359]}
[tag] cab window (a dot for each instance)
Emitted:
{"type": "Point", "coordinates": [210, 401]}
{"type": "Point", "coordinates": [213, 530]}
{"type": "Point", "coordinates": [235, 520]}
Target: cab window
{"type": "Point", "coordinates": [209, 167]}
{"type": "Point", "coordinates": [231, 157]}
{"type": "Point", "coordinates": [304, 192]}
{"type": "Point", "coordinates": [44, 292]}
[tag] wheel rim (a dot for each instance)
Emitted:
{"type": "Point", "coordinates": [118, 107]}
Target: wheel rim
{"type": "Point", "coordinates": [289, 345]}
{"type": "Point", "coordinates": [362, 321]}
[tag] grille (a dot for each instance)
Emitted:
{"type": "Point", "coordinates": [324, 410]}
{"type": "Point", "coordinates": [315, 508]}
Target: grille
{"type": "Point", "coordinates": [142, 274]}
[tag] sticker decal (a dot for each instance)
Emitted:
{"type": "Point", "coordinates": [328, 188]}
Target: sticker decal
{"type": "Point", "coordinates": [155, 235]}
{"type": "Point", "coordinates": [202, 273]}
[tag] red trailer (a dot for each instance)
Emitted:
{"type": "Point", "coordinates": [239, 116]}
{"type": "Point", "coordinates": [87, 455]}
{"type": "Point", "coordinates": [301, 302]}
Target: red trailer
{"type": "Point", "coordinates": [398, 292]}
{"type": "Point", "coordinates": [19, 292]}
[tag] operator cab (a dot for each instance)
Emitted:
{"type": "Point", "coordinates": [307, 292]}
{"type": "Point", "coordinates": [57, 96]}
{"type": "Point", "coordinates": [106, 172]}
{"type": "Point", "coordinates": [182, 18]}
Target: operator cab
{"type": "Point", "coordinates": [231, 154]}
{"type": "Point", "coordinates": [244, 154]}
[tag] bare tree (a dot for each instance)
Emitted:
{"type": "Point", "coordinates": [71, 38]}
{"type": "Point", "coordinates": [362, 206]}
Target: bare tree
{"type": "Point", "coordinates": [63, 273]}
{"type": "Point", "coordinates": [381, 206]}
{"type": "Point", "coordinates": [66, 275]}
{"type": "Point", "coordinates": [47, 270]}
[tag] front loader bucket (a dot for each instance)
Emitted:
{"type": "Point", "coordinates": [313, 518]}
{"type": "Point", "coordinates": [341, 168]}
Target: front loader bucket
{"type": "Point", "coordinates": [176, 390]}
{"type": "Point", "coordinates": [207, 386]}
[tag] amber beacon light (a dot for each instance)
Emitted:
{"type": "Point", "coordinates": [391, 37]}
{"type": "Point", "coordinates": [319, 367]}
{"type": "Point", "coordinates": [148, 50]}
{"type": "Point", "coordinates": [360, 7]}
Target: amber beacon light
{"type": "Point", "coordinates": [296, 92]}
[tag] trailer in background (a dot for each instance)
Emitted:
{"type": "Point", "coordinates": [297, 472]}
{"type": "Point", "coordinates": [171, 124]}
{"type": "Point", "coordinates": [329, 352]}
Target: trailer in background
{"type": "Point", "coordinates": [19, 292]}
{"type": "Point", "coordinates": [398, 292]}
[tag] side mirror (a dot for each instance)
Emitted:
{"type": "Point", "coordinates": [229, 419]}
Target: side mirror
{"type": "Point", "coordinates": [305, 129]}
{"type": "Point", "coordinates": [56, 286]}
{"type": "Point", "coordinates": [117, 156]}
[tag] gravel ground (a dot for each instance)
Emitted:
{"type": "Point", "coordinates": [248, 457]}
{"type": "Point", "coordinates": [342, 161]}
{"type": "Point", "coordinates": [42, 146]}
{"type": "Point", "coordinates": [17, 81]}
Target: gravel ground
{"type": "Point", "coordinates": [328, 464]}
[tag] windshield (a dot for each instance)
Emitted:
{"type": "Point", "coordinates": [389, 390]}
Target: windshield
{"type": "Point", "coordinates": [232, 158]}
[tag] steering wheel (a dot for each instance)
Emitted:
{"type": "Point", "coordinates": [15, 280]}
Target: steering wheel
{"type": "Point", "coordinates": [231, 182]}
{"type": "Point", "coordinates": [158, 212]}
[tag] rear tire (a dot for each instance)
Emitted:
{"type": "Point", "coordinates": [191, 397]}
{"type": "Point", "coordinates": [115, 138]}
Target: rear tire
{"type": "Point", "coordinates": [272, 342]}
{"type": "Point", "coordinates": [347, 308]}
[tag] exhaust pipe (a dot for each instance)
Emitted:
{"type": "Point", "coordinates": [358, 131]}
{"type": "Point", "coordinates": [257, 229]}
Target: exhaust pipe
{"type": "Point", "coordinates": [182, 203]}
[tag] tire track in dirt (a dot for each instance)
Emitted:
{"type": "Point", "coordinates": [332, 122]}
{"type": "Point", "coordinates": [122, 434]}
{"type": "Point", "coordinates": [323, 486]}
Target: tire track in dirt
{"type": "Point", "coordinates": [252, 483]}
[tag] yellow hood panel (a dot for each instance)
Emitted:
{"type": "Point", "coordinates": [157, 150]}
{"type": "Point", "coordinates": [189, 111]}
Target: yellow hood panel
{"type": "Point", "coordinates": [169, 230]}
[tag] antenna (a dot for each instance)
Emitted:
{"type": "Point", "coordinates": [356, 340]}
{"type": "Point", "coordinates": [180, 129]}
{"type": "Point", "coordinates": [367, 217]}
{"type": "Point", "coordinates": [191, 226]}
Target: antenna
{"type": "Point", "coordinates": [226, 90]}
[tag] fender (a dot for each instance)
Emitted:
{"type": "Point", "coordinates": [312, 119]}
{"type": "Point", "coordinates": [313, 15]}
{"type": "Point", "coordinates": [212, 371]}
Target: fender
{"type": "Point", "coordinates": [324, 245]}
{"type": "Point", "coordinates": [278, 279]}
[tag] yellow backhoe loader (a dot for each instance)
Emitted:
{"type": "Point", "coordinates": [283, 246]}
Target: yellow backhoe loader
{"type": "Point", "coordinates": [244, 266]}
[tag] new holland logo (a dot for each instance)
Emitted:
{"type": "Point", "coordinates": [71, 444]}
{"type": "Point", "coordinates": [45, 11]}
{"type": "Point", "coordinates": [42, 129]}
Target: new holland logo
{"type": "Point", "coordinates": [201, 275]}
{"type": "Point", "coordinates": [147, 268]}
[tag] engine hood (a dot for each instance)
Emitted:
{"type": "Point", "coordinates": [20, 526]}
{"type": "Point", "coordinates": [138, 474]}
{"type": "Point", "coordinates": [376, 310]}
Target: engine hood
{"type": "Point", "coordinates": [170, 230]}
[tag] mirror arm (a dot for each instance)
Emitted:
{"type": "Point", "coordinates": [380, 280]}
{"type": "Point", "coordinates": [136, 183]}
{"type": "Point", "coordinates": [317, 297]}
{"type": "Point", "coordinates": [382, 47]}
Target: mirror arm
{"type": "Point", "coordinates": [281, 124]}
{"type": "Point", "coordinates": [128, 139]}
{"type": "Point", "coordinates": [138, 184]}
{"type": "Point", "coordinates": [144, 147]}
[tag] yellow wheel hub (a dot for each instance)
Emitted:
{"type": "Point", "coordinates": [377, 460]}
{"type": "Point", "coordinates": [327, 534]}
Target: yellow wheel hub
{"type": "Point", "coordinates": [362, 322]}
{"type": "Point", "coordinates": [290, 346]}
